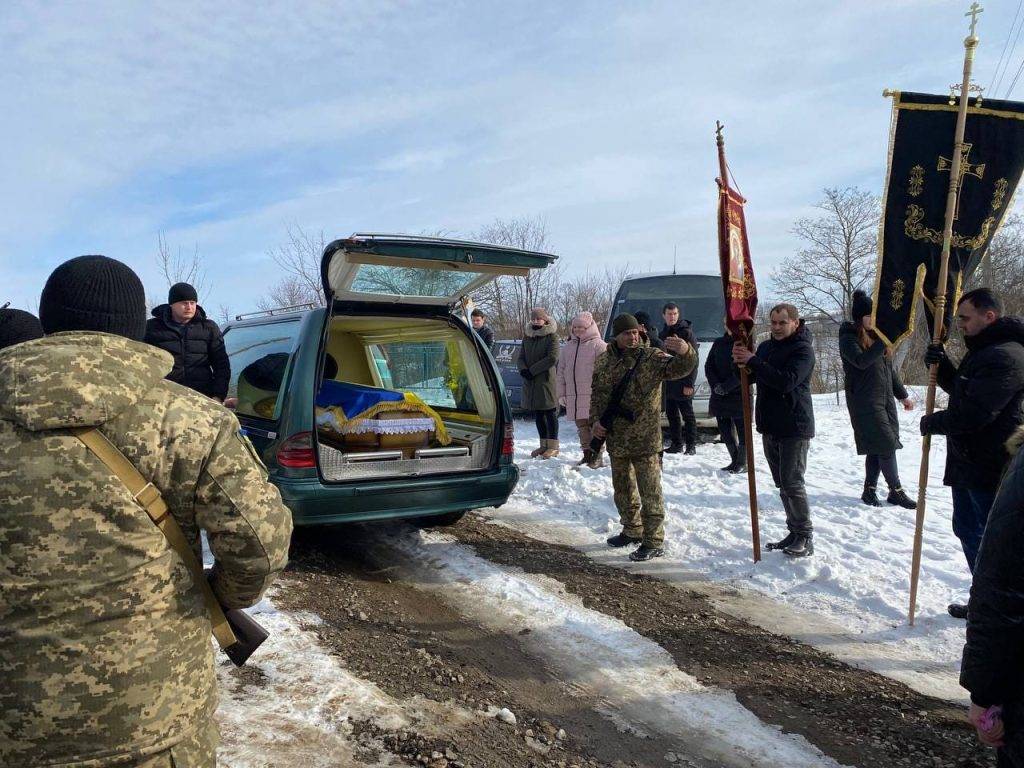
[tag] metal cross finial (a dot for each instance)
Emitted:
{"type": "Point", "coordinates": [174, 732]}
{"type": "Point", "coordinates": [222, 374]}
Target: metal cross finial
{"type": "Point", "coordinates": [973, 13]}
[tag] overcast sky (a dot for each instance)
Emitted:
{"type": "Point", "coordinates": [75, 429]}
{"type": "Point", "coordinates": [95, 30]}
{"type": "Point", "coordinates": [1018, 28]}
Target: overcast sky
{"type": "Point", "coordinates": [222, 124]}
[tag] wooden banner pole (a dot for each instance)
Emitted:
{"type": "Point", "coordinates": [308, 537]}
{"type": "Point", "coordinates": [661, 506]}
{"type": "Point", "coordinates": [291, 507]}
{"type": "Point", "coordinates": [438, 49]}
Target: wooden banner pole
{"type": "Point", "coordinates": [938, 329]}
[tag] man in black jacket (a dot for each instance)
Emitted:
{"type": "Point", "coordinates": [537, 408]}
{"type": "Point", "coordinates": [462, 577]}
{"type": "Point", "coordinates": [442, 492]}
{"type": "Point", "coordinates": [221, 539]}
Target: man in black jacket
{"type": "Point", "coordinates": [726, 402]}
{"type": "Point", "coordinates": [682, 424]}
{"type": "Point", "coordinates": [986, 395]}
{"type": "Point", "coordinates": [181, 327]}
{"type": "Point", "coordinates": [479, 320]}
{"type": "Point", "coordinates": [993, 662]}
{"type": "Point", "coordinates": [784, 416]}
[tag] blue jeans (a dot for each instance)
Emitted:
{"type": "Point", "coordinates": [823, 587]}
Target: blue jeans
{"type": "Point", "coordinates": [970, 513]}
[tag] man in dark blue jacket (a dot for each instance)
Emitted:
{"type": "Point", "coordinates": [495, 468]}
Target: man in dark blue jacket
{"type": "Point", "coordinates": [986, 406]}
{"type": "Point", "coordinates": [784, 416]}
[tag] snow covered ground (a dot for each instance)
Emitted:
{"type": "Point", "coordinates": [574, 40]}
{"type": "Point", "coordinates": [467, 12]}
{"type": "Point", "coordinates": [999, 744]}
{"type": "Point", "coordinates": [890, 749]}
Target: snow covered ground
{"type": "Point", "coordinates": [858, 577]}
{"type": "Point", "coordinates": [300, 707]}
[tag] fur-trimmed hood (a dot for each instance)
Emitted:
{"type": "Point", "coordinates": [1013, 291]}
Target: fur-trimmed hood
{"type": "Point", "coordinates": [549, 327]}
{"type": "Point", "coordinates": [1015, 442]}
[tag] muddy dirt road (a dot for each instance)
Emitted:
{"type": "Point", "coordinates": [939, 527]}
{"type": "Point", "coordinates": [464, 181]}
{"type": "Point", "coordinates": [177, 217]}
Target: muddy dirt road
{"type": "Point", "coordinates": [458, 689]}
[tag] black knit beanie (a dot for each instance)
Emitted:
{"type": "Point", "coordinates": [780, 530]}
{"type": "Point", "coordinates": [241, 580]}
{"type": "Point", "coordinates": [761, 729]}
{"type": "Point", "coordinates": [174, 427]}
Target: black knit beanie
{"type": "Point", "coordinates": [862, 306]}
{"type": "Point", "coordinates": [181, 292]}
{"type": "Point", "coordinates": [17, 326]}
{"type": "Point", "coordinates": [624, 322]}
{"type": "Point", "coordinates": [94, 293]}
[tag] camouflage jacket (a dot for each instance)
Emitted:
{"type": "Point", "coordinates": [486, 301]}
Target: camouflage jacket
{"type": "Point", "coordinates": [642, 436]}
{"type": "Point", "coordinates": [105, 648]}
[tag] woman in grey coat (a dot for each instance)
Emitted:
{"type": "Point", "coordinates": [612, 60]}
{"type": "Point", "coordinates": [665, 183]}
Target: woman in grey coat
{"type": "Point", "coordinates": [538, 357]}
{"type": "Point", "coordinates": [872, 388]}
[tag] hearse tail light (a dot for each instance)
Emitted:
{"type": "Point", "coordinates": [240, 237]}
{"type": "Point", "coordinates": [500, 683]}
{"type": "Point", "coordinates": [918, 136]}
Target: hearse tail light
{"type": "Point", "coordinates": [297, 452]}
{"type": "Point", "coordinates": [508, 444]}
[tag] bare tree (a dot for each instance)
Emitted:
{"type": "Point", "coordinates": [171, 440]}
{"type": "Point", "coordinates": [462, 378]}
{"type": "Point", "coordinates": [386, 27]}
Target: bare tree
{"type": "Point", "coordinates": [1004, 265]}
{"type": "Point", "coordinates": [838, 257]}
{"type": "Point", "coordinates": [299, 258]}
{"type": "Point", "coordinates": [180, 267]}
{"type": "Point", "coordinates": [510, 299]}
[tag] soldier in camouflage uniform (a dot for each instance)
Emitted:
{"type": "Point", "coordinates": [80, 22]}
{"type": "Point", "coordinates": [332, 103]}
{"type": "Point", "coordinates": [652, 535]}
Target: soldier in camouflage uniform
{"type": "Point", "coordinates": [633, 446]}
{"type": "Point", "coordinates": [105, 647]}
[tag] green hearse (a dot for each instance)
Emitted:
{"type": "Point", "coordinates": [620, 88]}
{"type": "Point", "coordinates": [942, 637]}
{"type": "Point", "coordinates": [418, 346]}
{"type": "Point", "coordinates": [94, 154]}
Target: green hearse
{"type": "Point", "coordinates": [394, 329]}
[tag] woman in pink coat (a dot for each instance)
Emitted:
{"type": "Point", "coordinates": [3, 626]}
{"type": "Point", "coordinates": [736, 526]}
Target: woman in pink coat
{"type": "Point", "coordinates": [575, 371]}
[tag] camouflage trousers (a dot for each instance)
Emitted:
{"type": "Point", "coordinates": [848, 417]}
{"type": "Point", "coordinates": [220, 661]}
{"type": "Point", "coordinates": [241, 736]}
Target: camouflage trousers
{"type": "Point", "coordinates": [636, 481]}
{"type": "Point", "coordinates": [197, 750]}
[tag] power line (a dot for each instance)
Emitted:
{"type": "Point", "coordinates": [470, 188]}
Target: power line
{"type": "Point", "coordinates": [1006, 42]}
{"type": "Point", "coordinates": [1015, 78]}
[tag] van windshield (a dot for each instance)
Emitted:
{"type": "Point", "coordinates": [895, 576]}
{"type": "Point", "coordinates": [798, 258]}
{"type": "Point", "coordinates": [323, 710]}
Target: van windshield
{"type": "Point", "coordinates": [699, 298]}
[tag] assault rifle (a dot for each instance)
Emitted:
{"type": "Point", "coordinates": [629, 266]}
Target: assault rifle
{"type": "Point", "coordinates": [614, 410]}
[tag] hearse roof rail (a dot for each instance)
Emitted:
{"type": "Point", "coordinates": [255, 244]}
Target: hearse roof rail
{"type": "Point", "coordinates": [278, 311]}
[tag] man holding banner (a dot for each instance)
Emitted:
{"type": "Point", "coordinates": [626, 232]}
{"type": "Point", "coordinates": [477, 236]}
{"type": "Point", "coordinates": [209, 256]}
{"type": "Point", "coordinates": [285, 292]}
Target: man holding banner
{"type": "Point", "coordinates": [986, 395]}
{"type": "Point", "coordinates": [954, 165]}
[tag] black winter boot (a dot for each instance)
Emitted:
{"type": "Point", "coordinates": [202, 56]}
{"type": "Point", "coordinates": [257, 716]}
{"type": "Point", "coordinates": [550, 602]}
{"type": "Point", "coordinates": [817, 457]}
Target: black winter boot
{"type": "Point", "coordinates": [643, 552]}
{"type": "Point", "coordinates": [898, 497]}
{"type": "Point", "coordinates": [802, 546]}
{"type": "Point", "coordinates": [739, 466]}
{"type": "Point", "coordinates": [870, 497]}
{"type": "Point", "coordinates": [691, 450]}
{"type": "Point", "coordinates": [622, 540]}
{"type": "Point", "coordinates": [674, 448]}
{"type": "Point", "coordinates": [730, 467]}
{"type": "Point", "coordinates": [790, 538]}
{"type": "Point", "coordinates": [957, 610]}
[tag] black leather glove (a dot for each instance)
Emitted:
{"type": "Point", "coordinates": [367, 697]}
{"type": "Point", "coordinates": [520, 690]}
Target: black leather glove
{"type": "Point", "coordinates": [924, 424]}
{"type": "Point", "coordinates": [526, 375]}
{"type": "Point", "coordinates": [934, 355]}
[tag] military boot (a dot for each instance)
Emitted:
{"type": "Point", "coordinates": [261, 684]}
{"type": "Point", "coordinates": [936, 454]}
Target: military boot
{"type": "Point", "coordinates": [622, 540]}
{"type": "Point", "coordinates": [643, 552]}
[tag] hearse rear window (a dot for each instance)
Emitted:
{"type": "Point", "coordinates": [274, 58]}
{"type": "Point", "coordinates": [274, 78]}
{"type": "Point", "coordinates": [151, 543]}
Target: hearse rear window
{"type": "Point", "coordinates": [260, 355]}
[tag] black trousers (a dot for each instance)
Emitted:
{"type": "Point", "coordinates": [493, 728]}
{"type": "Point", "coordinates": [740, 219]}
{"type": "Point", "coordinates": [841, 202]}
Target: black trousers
{"type": "Point", "coordinates": [731, 430]}
{"type": "Point", "coordinates": [547, 424]}
{"type": "Point", "coordinates": [787, 459]}
{"type": "Point", "coordinates": [875, 464]}
{"type": "Point", "coordinates": [682, 424]}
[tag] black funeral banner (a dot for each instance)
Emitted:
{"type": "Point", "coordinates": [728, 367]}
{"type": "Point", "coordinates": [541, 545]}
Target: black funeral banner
{"type": "Point", "coordinates": [914, 207]}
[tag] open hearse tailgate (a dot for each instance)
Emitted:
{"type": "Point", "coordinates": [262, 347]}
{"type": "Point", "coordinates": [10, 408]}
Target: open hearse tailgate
{"type": "Point", "coordinates": [406, 269]}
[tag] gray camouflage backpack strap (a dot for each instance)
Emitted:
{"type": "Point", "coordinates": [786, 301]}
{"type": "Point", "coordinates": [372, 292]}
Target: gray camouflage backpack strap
{"type": "Point", "coordinates": [148, 497]}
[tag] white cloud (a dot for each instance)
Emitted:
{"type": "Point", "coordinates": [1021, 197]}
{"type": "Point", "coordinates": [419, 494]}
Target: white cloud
{"type": "Point", "coordinates": [220, 125]}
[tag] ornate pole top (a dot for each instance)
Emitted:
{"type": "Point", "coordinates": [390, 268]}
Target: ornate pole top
{"type": "Point", "coordinates": [972, 38]}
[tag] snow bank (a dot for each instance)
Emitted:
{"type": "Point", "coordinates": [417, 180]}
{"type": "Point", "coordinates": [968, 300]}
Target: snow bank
{"type": "Point", "coordinates": [294, 704]}
{"type": "Point", "coordinates": [858, 577]}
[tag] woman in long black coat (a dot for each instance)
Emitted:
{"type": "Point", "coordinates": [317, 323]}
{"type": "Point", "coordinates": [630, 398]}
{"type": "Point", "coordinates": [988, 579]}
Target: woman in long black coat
{"type": "Point", "coordinates": [872, 388]}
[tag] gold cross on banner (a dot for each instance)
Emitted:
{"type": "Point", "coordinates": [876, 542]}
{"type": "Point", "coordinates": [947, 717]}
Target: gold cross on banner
{"type": "Point", "coordinates": [966, 169]}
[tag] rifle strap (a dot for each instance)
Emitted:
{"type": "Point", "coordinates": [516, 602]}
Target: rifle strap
{"type": "Point", "coordinates": [148, 497]}
{"type": "Point", "coordinates": [624, 384]}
